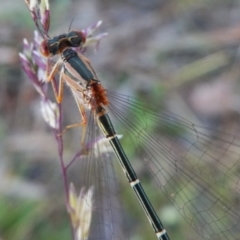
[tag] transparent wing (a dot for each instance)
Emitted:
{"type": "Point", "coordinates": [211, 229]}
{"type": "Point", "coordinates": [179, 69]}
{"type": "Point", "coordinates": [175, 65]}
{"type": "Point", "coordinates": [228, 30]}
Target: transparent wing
{"type": "Point", "coordinates": [196, 168]}
{"type": "Point", "coordinates": [95, 167]}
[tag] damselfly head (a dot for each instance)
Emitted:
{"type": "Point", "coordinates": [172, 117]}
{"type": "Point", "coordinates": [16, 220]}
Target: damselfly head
{"type": "Point", "coordinates": [52, 46]}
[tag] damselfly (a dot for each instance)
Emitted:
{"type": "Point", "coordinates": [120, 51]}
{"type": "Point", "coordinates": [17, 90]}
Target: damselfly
{"type": "Point", "coordinates": [89, 94]}
{"type": "Point", "coordinates": [195, 168]}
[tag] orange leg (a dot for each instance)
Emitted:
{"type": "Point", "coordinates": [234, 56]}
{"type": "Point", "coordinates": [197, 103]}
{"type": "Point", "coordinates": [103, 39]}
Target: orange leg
{"type": "Point", "coordinates": [59, 96]}
{"type": "Point", "coordinates": [57, 92]}
{"type": "Point", "coordinates": [54, 69]}
{"type": "Point", "coordinates": [80, 124]}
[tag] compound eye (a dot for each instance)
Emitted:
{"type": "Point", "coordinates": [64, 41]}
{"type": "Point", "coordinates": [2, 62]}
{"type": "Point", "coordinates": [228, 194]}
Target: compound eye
{"type": "Point", "coordinates": [81, 36]}
{"type": "Point", "coordinates": [77, 38]}
{"type": "Point", "coordinates": [44, 49]}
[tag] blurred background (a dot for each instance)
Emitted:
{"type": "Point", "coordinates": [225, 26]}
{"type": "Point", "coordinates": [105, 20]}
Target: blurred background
{"type": "Point", "coordinates": [180, 54]}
